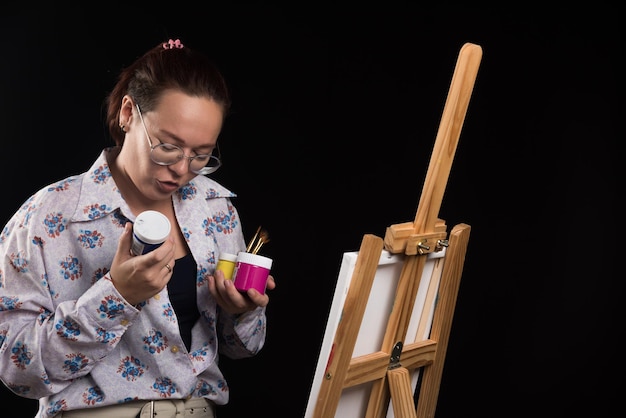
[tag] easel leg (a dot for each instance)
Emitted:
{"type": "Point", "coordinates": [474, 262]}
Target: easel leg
{"type": "Point", "coordinates": [401, 393]}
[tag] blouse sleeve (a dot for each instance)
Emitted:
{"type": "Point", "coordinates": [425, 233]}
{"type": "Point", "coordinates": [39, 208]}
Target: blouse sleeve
{"type": "Point", "coordinates": [45, 344]}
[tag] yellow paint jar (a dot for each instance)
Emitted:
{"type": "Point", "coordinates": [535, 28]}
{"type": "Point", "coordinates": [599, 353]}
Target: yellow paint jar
{"type": "Point", "coordinates": [226, 264]}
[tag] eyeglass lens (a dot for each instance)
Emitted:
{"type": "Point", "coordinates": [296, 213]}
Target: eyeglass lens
{"type": "Point", "coordinates": [168, 154]}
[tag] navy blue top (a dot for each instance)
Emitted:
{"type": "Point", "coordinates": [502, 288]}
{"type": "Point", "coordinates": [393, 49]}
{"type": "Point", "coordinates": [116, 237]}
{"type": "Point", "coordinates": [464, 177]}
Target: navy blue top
{"type": "Point", "coordinates": [182, 290]}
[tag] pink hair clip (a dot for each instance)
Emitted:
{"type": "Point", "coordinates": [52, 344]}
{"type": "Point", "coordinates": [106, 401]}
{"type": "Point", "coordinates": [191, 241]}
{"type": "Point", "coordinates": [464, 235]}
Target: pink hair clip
{"type": "Point", "coordinates": [171, 44]}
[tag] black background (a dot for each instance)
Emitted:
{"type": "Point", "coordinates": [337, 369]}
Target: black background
{"type": "Point", "coordinates": [335, 114]}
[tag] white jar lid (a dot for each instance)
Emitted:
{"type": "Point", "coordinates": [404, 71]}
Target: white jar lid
{"type": "Point", "coordinates": [151, 227]}
{"type": "Point", "coordinates": [254, 259]}
{"type": "Point", "coordinates": [228, 257]}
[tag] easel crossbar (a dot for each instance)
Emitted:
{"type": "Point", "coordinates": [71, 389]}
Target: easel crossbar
{"type": "Point", "coordinates": [369, 367]}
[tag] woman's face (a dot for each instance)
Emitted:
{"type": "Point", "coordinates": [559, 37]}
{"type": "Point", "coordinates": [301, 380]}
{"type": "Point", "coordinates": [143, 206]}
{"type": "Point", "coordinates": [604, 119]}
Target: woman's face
{"type": "Point", "coordinates": [189, 122]}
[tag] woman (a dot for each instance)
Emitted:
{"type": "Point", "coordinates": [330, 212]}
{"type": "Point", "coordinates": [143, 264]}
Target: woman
{"type": "Point", "coordinates": [89, 328]}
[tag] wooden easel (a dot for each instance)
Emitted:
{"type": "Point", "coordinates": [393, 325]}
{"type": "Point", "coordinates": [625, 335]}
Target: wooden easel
{"type": "Point", "coordinates": [389, 370]}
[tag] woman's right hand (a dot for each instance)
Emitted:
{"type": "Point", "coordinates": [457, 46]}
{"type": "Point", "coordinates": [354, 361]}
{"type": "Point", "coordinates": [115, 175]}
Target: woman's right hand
{"type": "Point", "coordinates": [140, 277]}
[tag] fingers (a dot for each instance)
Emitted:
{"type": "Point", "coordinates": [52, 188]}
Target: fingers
{"type": "Point", "coordinates": [163, 258]}
{"type": "Point", "coordinates": [226, 288]}
{"type": "Point", "coordinates": [122, 253]}
{"type": "Point", "coordinates": [218, 289]}
{"type": "Point", "coordinates": [259, 299]}
{"type": "Point", "coordinates": [232, 300]}
{"type": "Point", "coordinates": [140, 277]}
{"type": "Point", "coordinates": [125, 241]}
{"type": "Point", "coordinates": [271, 284]}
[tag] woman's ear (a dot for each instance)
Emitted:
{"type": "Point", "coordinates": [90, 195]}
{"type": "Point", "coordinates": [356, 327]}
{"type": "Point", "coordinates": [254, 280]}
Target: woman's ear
{"type": "Point", "coordinates": [126, 113]}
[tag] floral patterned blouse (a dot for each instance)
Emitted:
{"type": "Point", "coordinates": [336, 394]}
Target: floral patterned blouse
{"type": "Point", "coordinates": [69, 339]}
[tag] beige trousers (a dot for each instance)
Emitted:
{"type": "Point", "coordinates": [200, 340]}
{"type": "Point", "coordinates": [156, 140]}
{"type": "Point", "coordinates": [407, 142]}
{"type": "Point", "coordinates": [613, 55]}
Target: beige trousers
{"type": "Point", "coordinates": [170, 408]}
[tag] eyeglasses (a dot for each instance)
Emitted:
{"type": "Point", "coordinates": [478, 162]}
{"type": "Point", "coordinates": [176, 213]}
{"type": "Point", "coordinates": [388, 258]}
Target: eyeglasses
{"type": "Point", "coordinates": [168, 154]}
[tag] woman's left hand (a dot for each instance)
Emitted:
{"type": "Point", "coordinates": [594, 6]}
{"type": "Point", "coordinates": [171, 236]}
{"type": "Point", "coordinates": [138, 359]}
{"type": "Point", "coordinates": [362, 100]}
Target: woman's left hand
{"type": "Point", "coordinates": [232, 300]}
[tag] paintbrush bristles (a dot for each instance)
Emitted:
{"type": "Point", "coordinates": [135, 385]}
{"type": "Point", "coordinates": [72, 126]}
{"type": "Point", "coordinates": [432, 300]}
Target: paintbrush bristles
{"type": "Point", "coordinates": [260, 237]}
{"type": "Point", "coordinates": [253, 240]}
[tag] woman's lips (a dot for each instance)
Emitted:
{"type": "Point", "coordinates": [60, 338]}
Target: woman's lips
{"type": "Point", "coordinates": [168, 186]}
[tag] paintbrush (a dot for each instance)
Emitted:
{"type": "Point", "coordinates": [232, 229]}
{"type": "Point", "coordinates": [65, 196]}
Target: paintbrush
{"type": "Point", "coordinates": [260, 237]}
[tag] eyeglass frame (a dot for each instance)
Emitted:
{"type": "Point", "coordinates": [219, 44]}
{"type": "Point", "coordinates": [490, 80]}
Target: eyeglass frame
{"type": "Point", "coordinates": [203, 171]}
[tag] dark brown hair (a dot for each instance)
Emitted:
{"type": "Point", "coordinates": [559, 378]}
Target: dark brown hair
{"type": "Point", "coordinates": [160, 69]}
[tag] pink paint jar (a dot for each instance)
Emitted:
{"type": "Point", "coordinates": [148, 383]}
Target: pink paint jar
{"type": "Point", "coordinates": [251, 272]}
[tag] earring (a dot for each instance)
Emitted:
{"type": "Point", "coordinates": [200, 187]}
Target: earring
{"type": "Point", "coordinates": [122, 127]}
